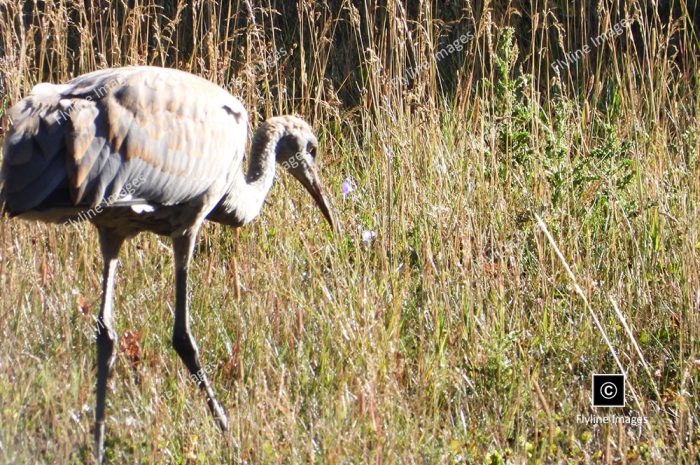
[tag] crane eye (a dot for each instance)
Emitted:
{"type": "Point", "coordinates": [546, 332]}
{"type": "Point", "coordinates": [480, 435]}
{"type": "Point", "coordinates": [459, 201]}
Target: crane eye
{"type": "Point", "coordinates": [312, 151]}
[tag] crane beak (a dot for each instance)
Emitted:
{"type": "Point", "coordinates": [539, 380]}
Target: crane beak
{"type": "Point", "coordinates": [309, 179]}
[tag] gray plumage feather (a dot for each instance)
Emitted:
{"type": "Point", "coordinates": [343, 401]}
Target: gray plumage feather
{"type": "Point", "coordinates": [155, 134]}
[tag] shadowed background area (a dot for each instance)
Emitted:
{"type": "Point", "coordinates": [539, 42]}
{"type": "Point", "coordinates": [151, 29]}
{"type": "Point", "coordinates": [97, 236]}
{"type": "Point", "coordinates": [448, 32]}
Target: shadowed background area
{"type": "Point", "coordinates": [442, 326]}
{"type": "Point", "coordinates": [311, 55]}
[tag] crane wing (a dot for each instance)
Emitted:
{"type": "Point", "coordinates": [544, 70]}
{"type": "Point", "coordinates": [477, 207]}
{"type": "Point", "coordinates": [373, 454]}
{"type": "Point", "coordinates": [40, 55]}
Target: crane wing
{"type": "Point", "coordinates": [156, 134]}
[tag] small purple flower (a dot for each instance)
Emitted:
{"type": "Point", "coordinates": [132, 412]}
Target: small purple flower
{"type": "Point", "coordinates": [368, 235]}
{"type": "Point", "coordinates": [346, 187]}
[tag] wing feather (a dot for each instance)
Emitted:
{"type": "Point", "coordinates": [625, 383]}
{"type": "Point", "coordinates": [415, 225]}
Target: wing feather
{"type": "Point", "coordinates": [159, 134]}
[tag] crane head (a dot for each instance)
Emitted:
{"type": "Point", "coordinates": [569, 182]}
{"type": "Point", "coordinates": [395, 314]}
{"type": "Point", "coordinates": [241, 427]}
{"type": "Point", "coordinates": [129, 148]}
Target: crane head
{"type": "Point", "coordinates": [296, 152]}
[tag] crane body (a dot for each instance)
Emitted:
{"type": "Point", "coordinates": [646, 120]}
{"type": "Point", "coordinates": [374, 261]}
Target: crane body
{"type": "Point", "coordinates": [146, 149]}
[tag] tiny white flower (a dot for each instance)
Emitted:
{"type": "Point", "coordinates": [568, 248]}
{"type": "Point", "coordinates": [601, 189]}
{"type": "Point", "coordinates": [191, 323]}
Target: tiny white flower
{"type": "Point", "coordinates": [346, 187]}
{"type": "Point", "coordinates": [368, 235]}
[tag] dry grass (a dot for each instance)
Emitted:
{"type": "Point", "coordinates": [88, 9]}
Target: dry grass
{"type": "Point", "coordinates": [466, 331]}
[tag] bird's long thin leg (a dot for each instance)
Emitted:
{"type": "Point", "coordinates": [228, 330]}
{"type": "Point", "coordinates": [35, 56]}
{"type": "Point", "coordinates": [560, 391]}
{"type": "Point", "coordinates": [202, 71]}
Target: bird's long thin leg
{"type": "Point", "coordinates": [183, 341]}
{"type": "Point", "coordinates": [106, 337]}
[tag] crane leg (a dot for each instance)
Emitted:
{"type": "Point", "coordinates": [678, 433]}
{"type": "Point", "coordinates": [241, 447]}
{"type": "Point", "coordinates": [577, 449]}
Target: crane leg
{"type": "Point", "coordinates": [183, 341]}
{"type": "Point", "coordinates": [106, 337]}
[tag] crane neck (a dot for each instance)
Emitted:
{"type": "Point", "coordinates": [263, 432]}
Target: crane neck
{"type": "Point", "coordinates": [246, 193]}
{"type": "Point", "coordinates": [263, 155]}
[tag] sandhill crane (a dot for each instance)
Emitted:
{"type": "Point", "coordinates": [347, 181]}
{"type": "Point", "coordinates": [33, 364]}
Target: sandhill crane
{"type": "Point", "coordinates": [146, 149]}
